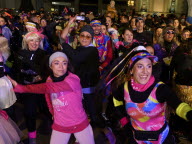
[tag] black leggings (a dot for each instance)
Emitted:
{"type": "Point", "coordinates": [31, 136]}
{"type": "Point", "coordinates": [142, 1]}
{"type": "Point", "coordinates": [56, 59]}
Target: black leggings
{"type": "Point", "coordinates": [89, 105]}
{"type": "Point", "coordinates": [31, 102]}
{"type": "Point", "coordinates": [11, 112]}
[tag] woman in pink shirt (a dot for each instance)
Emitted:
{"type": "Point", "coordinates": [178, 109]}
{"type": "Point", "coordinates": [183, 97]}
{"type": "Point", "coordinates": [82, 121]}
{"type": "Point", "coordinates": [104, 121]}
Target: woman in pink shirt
{"type": "Point", "coordinates": [63, 94]}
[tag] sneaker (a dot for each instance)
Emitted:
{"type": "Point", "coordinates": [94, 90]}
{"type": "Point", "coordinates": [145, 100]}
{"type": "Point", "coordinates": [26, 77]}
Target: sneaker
{"type": "Point", "coordinates": [110, 136]}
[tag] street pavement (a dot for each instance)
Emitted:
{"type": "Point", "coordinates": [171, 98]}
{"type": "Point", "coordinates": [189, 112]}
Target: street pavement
{"type": "Point", "coordinates": [44, 138]}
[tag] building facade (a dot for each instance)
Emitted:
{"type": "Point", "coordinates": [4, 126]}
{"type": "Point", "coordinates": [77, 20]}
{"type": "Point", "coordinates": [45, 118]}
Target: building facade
{"type": "Point", "coordinates": [140, 6]}
{"type": "Point", "coordinates": [161, 6]}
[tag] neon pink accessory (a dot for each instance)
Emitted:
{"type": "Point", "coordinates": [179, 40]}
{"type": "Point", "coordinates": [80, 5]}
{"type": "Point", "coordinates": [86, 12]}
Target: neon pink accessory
{"type": "Point", "coordinates": [4, 114]}
{"type": "Point", "coordinates": [32, 134]}
{"type": "Point", "coordinates": [124, 121]}
{"type": "Point", "coordinates": [141, 87]}
{"type": "Point", "coordinates": [39, 33]}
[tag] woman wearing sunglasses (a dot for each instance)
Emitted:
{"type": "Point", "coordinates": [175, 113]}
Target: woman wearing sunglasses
{"type": "Point", "coordinates": [165, 50]}
{"type": "Point", "coordinates": [85, 59]}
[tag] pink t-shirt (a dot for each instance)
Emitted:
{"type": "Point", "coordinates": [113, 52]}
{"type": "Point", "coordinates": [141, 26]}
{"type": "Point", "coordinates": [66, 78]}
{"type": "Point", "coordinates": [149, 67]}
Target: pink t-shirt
{"type": "Point", "coordinates": [64, 100]}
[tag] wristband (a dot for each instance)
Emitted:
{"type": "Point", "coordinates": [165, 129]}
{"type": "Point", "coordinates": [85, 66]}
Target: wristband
{"type": "Point", "coordinates": [124, 121]}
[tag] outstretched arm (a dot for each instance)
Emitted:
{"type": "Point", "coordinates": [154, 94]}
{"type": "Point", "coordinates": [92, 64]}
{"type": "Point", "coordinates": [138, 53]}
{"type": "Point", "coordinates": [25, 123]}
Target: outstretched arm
{"type": "Point", "coordinates": [118, 101]}
{"type": "Point", "coordinates": [165, 94]}
{"type": "Point", "coordinates": [43, 88]}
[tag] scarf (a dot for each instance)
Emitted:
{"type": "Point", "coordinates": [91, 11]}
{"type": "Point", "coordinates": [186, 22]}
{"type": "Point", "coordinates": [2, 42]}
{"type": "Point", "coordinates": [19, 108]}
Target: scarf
{"type": "Point", "coordinates": [58, 79]}
{"type": "Point", "coordinates": [141, 87]}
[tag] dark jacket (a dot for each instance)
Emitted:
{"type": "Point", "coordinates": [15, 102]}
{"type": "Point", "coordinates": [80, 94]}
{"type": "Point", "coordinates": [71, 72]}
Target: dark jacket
{"type": "Point", "coordinates": [182, 65]}
{"type": "Point", "coordinates": [28, 64]}
{"type": "Point", "coordinates": [85, 61]}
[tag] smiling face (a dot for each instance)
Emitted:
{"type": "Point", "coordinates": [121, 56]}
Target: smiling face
{"type": "Point", "coordinates": [128, 36]}
{"type": "Point", "coordinates": [142, 71]}
{"type": "Point", "coordinates": [85, 38]}
{"type": "Point", "coordinates": [97, 29]}
{"type": "Point", "coordinates": [59, 66]}
{"type": "Point", "coordinates": [33, 44]}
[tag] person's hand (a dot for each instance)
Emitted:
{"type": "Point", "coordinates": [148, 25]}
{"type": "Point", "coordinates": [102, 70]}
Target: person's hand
{"type": "Point", "coordinates": [72, 20]}
{"type": "Point", "coordinates": [14, 83]}
{"type": "Point", "coordinates": [4, 114]}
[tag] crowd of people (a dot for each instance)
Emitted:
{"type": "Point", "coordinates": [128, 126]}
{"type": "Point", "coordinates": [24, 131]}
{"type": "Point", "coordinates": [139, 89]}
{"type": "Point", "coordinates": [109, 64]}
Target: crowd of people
{"type": "Point", "coordinates": [127, 74]}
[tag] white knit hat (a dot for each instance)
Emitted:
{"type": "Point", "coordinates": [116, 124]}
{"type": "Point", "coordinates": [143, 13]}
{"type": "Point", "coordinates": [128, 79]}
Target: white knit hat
{"type": "Point", "coordinates": [56, 55]}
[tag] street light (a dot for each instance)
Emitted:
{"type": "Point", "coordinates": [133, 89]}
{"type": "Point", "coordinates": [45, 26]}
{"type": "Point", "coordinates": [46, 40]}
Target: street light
{"type": "Point", "coordinates": [130, 2]}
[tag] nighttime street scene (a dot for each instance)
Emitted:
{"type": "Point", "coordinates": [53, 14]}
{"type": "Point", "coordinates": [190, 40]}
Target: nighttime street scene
{"type": "Point", "coordinates": [95, 71]}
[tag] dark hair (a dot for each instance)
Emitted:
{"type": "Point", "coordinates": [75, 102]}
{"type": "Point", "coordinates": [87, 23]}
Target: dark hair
{"type": "Point", "coordinates": [149, 45]}
{"type": "Point", "coordinates": [124, 30]}
{"type": "Point", "coordinates": [179, 27]}
{"type": "Point", "coordinates": [112, 20]}
{"type": "Point", "coordinates": [32, 16]}
{"type": "Point", "coordinates": [98, 19]}
{"type": "Point", "coordinates": [5, 19]}
{"type": "Point", "coordinates": [125, 17]}
{"type": "Point", "coordinates": [158, 28]}
{"type": "Point", "coordinates": [43, 18]}
{"type": "Point", "coordinates": [169, 21]}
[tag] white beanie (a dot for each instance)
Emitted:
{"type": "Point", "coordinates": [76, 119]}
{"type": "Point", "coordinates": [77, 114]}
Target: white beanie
{"type": "Point", "coordinates": [56, 55]}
